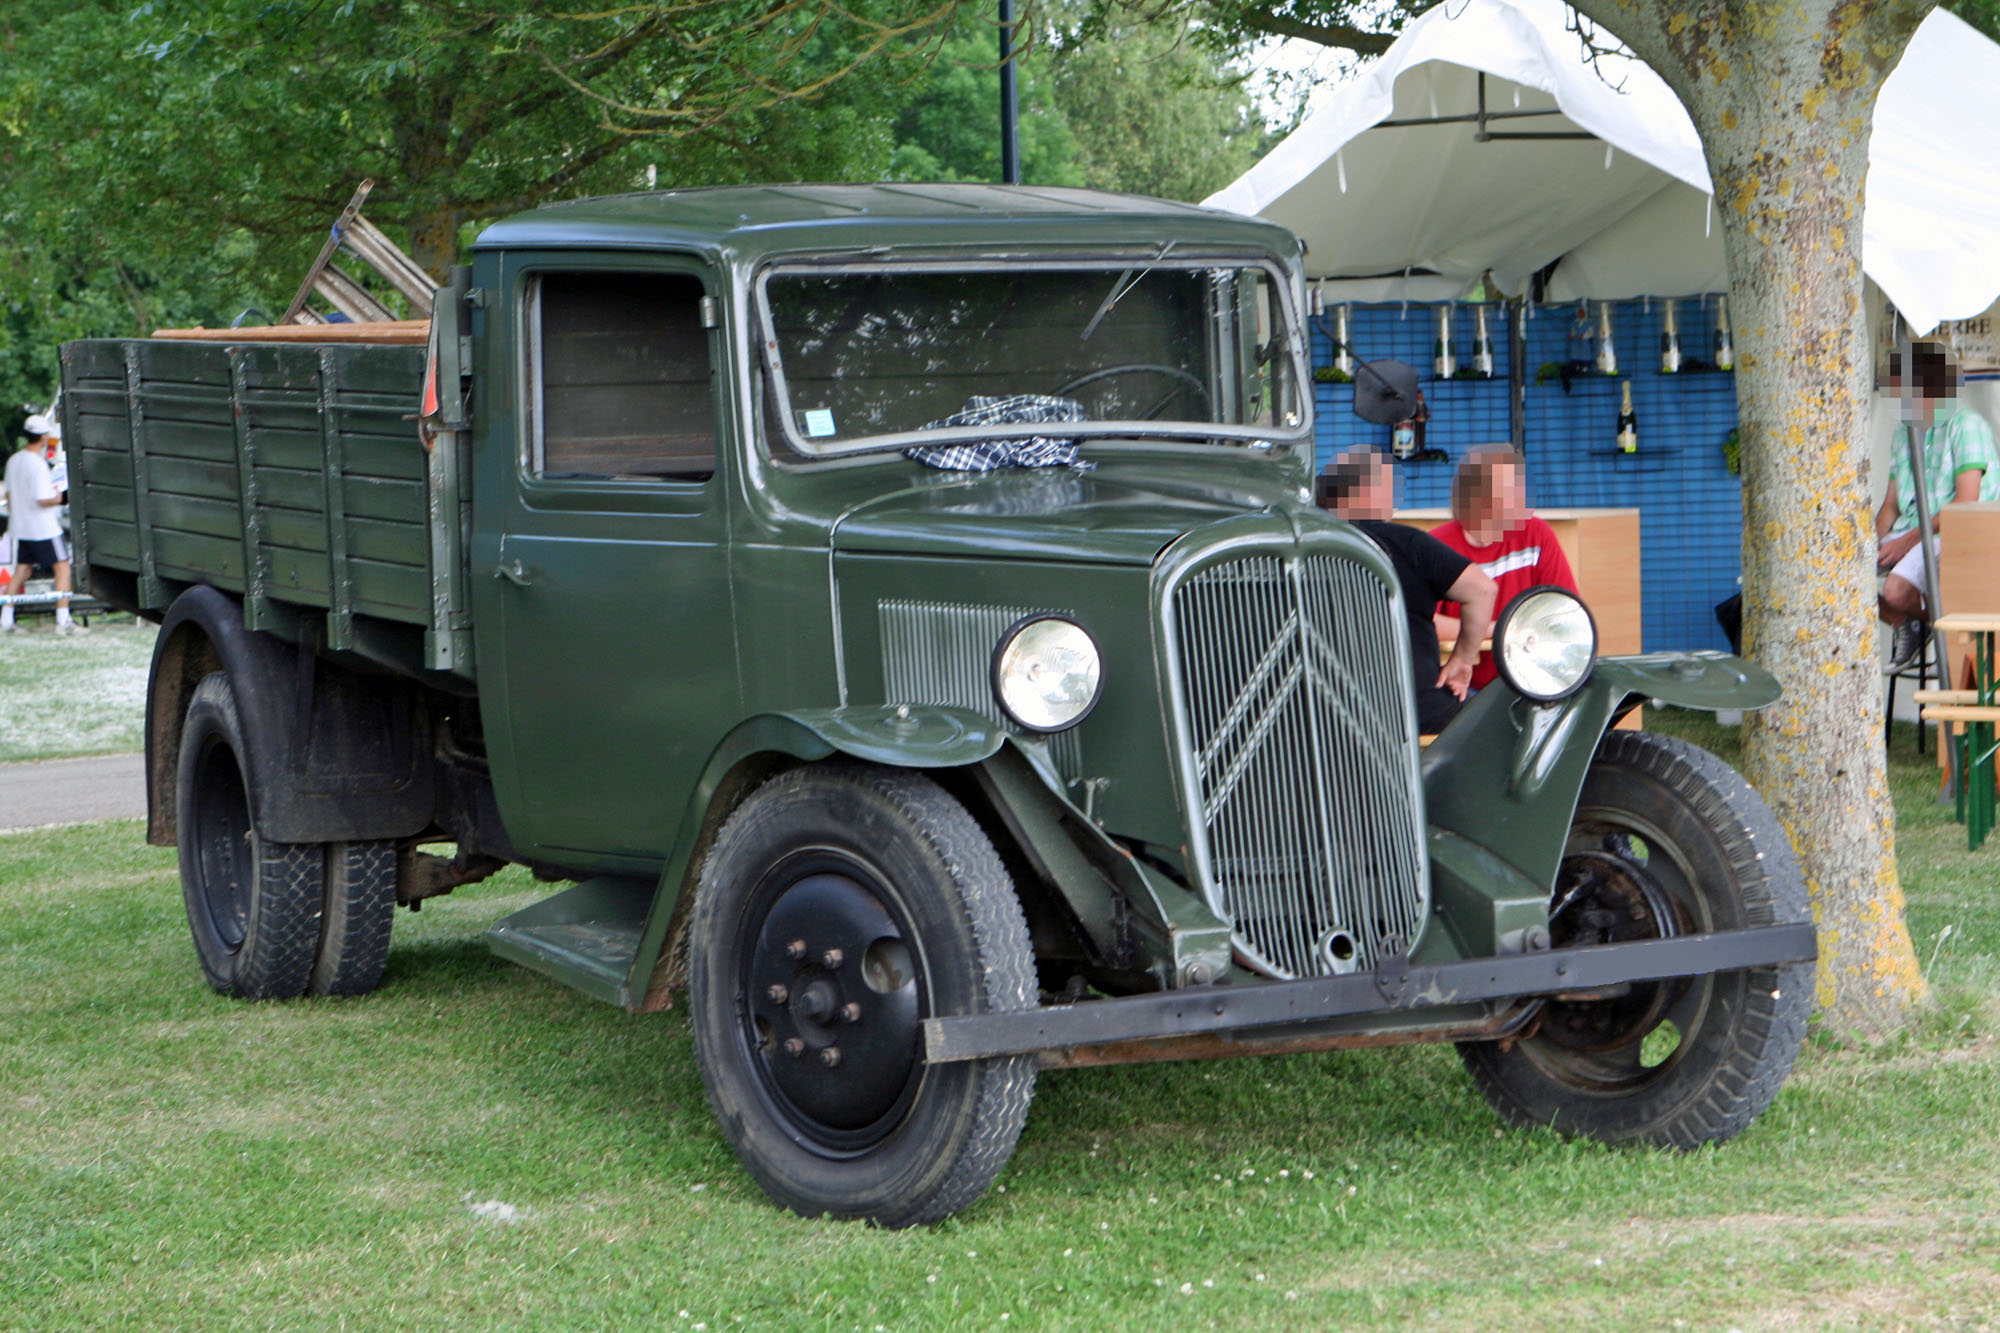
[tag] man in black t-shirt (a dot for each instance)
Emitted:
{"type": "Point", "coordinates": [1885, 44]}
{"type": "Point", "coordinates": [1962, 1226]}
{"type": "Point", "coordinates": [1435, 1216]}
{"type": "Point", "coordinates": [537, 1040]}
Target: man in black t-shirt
{"type": "Point", "coordinates": [1358, 487]}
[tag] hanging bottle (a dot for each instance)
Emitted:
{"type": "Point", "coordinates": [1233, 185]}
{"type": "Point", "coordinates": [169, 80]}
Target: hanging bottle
{"type": "Point", "coordinates": [1343, 358]}
{"type": "Point", "coordinates": [1725, 351]}
{"type": "Point", "coordinates": [1670, 343]}
{"type": "Point", "coordinates": [1447, 361]}
{"type": "Point", "coordinates": [1607, 355]}
{"type": "Point", "coordinates": [1482, 348]}
{"type": "Point", "coordinates": [1628, 422]}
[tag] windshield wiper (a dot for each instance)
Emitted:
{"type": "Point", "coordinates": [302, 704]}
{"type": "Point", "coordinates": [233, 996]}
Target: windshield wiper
{"type": "Point", "coordinates": [1127, 280]}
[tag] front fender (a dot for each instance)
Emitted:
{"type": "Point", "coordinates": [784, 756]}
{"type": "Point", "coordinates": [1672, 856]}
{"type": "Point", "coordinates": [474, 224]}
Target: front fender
{"type": "Point", "coordinates": [1506, 773]}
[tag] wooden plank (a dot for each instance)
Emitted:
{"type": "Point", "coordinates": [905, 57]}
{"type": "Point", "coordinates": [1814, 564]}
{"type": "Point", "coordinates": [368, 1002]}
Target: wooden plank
{"type": "Point", "coordinates": [197, 558]}
{"type": "Point", "coordinates": [397, 501]}
{"type": "Point", "coordinates": [183, 476]}
{"type": "Point", "coordinates": [114, 542]}
{"type": "Point", "coordinates": [405, 332]}
{"type": "Point", "coordinates": [297, 529]}
{"type": "Point", "coordinates": [298, 576]}
{"type": "Point", "coordinates": [394, 460]}
{"type": "Point", "coordinates": [163, 364]}
{"type": "Point", "coordinates": [192, 514]}
{"type": "Point", "coordinates": [287, 448]}
{"type": "Point", "coordinates": [210, 441]}
{"type": "Point", "coordinates": [396, 592]}
{"type": "Point", "coordinates": [292, 489]}
{"type": "Point", "coordinates": [112, 502]}
{"type": "Point", "coordinates": [406, 544]}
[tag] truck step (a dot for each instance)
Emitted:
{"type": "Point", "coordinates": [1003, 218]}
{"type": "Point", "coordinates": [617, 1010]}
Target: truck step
{"type": "Point", "coordinates": [585, 936]}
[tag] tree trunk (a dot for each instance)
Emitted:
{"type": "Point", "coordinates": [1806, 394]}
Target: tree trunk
{"type": "Point", "coordinates": [1783, 95]}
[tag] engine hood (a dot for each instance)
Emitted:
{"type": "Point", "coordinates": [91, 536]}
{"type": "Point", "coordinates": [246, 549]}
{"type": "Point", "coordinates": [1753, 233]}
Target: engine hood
{"type": "Point", "coordinates": [1120, 514]}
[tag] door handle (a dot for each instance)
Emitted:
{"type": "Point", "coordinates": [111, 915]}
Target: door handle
{"type": "Point", "coordinates": [514, 572]}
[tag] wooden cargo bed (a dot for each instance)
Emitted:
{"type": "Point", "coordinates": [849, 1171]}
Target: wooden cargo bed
{"type": "Point", "coordinates": [291, 474]}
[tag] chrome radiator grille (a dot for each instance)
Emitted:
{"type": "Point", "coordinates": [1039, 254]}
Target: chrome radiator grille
{"type": "Point", "coordinates": [1300, 721]}
{"type": "Point", "coordinates": [942, 653]}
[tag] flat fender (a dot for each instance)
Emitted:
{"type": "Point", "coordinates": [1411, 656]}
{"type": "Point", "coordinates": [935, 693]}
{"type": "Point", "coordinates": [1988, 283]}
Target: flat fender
{"type": "Point", "coordinates": [331, 754]}
{"type": "Point", "coordinates": [900, 736]}
{"type": "Point", "coordinates": [1507, 772]}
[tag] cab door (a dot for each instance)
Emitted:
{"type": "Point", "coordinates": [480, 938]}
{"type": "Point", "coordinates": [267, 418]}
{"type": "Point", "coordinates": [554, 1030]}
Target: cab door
{"type": "Point", "coordinates": [606, 645]}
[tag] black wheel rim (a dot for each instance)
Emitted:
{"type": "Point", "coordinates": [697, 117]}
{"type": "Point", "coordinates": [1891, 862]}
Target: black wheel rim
{"type": "Point", "coordinates": [1623, 878]}
{"type": "Point", "coordinates": [221, 840]}
{"type": "Point", "coordinates": [831, 993]}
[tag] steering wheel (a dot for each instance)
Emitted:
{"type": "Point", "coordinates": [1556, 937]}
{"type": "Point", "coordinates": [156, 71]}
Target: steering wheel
{"type": "Point", "coordinates": [1144, 368]}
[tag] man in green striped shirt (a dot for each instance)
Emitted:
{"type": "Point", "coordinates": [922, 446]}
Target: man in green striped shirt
{"type": "Point", "coordinates": [1960, 463]}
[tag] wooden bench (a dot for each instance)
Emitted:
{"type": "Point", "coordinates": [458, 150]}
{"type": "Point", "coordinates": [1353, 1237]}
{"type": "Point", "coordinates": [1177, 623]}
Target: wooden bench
{"type": "Point", "coordinates": [1972, 724]}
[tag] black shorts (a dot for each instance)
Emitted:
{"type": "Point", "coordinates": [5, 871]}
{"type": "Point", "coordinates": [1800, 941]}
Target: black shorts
{"type": "Point", "coordinates": [47, 551]}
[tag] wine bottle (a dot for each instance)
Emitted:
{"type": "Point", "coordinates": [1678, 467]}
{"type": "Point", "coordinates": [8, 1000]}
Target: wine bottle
{"type": "Point", "coordinates": [1607, 355]}
{"type": "Point", "coordinates": [1447, 362]}
{"type": "Point", "coordinates": [1482, 349]}
{"type": "Point", "coordinates": [1670, 344]}
{"type": "Point", "coordinates": [1725, 351]}
{"type": "Point", "coordinates": [1628, 423]}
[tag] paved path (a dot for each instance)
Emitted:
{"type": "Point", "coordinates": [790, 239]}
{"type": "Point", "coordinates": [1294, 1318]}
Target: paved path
{"type": "Point", "coordinates": [72, 791]}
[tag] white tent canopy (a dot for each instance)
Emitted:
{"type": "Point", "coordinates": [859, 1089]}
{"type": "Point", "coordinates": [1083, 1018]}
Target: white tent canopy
{"type": "Point", "coordinates": [1421, 210]}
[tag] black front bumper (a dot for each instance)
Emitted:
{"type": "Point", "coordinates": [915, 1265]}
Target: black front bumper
{"type": "Point", "coordinates": [1396, 985]}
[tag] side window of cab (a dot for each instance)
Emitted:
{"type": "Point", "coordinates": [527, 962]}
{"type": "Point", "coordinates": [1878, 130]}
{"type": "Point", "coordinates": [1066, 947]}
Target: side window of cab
{"type": "Point", "coordinates": [619, 377]}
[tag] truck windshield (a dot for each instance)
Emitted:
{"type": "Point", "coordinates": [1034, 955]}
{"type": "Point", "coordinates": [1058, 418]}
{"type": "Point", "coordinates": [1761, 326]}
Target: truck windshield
{"type": "Point", "coordinates": [886, 356]}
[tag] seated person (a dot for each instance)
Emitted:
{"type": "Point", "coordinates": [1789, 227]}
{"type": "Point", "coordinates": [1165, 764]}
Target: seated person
{"type": "Point", "coordinates": [1491, 526]}
{"type": "Point", "coordinates": [1359, 487]}
{"type": "Point", "coordinates": [1959, 464]}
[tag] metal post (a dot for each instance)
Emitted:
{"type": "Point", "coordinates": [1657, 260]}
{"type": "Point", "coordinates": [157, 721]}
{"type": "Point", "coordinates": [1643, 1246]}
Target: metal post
{"type": "Point", "coordinates": [1010, 110]}
{"type": "Point", "coordinates": [1933, 604]}
{"type": "Point", "coordinates": [1517, 376]}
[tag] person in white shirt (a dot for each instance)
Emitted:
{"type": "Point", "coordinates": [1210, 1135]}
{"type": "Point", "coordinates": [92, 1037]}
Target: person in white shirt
{"type": "Point", "coordinates": [32, 501]}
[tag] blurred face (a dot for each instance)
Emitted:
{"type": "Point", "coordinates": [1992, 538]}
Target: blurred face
{"type": "Point", "coordinates": [1376, 497]}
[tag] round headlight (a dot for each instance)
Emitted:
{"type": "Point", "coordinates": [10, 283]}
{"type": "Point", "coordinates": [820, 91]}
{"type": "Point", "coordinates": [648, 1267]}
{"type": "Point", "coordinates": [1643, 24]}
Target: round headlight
{"type": "Point", "coordinates": [1046, 672]}
{"type": "Point", "coordinates": [1545, 643]}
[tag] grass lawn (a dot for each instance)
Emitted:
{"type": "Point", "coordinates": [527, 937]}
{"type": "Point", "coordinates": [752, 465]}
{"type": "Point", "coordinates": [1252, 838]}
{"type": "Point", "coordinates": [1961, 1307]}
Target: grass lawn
{"type": "Point", "coordinates": [71, 696]}
{"type": "Point", "coordinates": [476, 1147]}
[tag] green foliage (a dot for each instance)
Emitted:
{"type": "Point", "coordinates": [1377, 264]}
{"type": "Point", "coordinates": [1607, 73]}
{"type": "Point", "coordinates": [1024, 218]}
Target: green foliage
{"type": "Point", "coordinates": [1981, 14]}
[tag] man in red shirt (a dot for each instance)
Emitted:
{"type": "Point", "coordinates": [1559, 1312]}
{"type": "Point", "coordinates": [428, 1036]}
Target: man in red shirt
{"type": "Point", "coordinates": [1491, 526]}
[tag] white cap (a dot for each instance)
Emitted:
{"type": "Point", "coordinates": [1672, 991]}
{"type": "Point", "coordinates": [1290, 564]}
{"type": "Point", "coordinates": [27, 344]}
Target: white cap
{"type": "Point", "coordinates": [38, 425]}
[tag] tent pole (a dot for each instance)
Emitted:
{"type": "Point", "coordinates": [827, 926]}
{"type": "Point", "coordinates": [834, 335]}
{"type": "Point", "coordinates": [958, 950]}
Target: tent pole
{"type": "Point", "coordinates": [1517, 375]}
{"type": "Point", "coordinates": [1933, 604]}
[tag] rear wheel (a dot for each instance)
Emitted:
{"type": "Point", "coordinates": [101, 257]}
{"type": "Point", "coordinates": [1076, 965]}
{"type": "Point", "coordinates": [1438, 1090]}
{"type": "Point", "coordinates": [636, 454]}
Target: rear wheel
{"type": "Point", "coordinates": [1667, 840]}
{"type": "Point", "coordinates": [253, 905]}
{"type": "Point", "coordinates": [840, 907]}
{"type": "Point", "coordinates": [355, 927]}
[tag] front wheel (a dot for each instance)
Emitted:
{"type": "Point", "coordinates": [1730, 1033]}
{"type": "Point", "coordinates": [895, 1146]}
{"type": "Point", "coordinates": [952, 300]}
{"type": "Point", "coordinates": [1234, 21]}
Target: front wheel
{"type": "Point", "coordinates": [841, 906]}
{"type": "Point", "coordinates": [1667, 840]}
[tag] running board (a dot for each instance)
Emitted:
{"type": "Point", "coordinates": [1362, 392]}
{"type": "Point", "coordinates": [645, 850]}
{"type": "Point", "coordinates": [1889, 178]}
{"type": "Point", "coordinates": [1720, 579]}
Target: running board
{"type": "Point", "coordinates": [1397, 984]}
{"type": "Point", "coordinates": [584, 937]}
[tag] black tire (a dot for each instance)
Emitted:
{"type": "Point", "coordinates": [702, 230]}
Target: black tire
{"type": "Point", "coordinates": [1667, 840]}
{"type": "Point", "coordinates": [889, 870]}
{"type": "Point", "coordinates": [360, 910]}
{"type": "Point", "coordinates": [253, 905]}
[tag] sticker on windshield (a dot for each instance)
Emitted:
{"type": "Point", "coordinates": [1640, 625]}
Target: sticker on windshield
{"type": "Point", "coordinates": [819, 421]}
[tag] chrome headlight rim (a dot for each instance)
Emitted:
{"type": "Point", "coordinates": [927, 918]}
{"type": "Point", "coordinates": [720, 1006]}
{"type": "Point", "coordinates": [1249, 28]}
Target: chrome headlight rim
{"type": "Point", "coordinates": [1521, 606]}
{"type": "Point", "coordinates": [995, 674]}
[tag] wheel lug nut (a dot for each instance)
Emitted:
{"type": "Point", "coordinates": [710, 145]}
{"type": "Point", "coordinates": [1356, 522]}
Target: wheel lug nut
{"type": "Point", "coordinates": [851, 1012]}
{"type": "Point", "coordinates": [778, 993]}
{"type": "Point", "coordinates": [796, 949]}
{"type": "Point", "coordinates": [794, 1047]}
{"type": "Point", "coordinates": [830, 1057]}
{"type": "Point", "coordinates": [832, 958]}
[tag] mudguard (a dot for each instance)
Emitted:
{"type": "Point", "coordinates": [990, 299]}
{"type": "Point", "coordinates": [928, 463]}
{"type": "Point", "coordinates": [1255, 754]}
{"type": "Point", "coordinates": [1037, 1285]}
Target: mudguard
{"type": "Point", "coordinates": [332, 754]}
{"type": "Point", "coordinates": [1171, 932]}
{"type": "Point", "coordinates": [1507, 772]}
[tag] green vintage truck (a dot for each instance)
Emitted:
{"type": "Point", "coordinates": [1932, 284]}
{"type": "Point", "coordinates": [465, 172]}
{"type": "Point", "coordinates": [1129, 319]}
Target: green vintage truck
{"type": "Point", "coordinates": [898, 617]}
